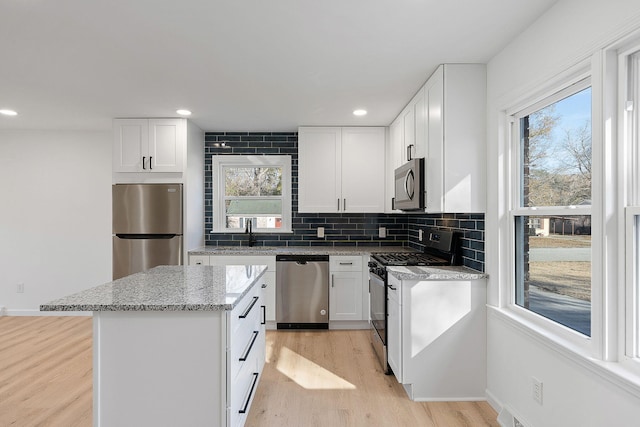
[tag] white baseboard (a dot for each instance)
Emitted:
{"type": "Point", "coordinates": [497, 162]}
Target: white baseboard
{"type": "Point", "coordinates": [493, 401]}
{"type": "Point", "coordinates": [32, 312]}
{"type": "Point", "coordinates": [349, 324]}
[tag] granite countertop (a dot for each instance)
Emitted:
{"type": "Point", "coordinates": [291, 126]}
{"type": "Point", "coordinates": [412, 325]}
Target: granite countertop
{"type": "Point", "coordinates": [296, 250]}
{"type": "Point", "coordinates": [453, 272]}
{"type": "Point", "coordinates": [167, 288]}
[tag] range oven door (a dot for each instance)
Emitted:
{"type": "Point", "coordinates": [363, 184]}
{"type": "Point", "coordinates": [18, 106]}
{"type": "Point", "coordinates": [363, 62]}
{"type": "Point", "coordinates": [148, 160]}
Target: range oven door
{"type": "Point", "coordinates": [378, 306]}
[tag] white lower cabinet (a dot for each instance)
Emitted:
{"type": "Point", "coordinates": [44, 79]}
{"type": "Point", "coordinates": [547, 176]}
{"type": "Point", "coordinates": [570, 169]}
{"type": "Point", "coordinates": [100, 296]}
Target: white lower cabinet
{"type": "Point", "coordinates": [346, 293]}
{"type": "Point", "coordinates": [269, 277]}
{"type": "Point", "coordinates": [437, 338]}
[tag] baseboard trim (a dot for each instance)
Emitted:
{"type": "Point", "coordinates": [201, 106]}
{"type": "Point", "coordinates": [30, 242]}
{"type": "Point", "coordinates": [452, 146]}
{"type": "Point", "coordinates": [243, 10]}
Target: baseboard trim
{"type": "Point", "coordinates": [492, 400]}
{"type": "Point", "coordinates": [348, 324]}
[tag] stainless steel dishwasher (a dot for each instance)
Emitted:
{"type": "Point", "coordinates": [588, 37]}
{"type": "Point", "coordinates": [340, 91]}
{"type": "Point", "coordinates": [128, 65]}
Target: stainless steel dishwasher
{"type": "Point", "coordinates": [302, 291]}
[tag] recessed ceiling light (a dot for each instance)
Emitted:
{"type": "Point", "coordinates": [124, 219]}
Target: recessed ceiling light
{"type": "Point", "coordinates": [8, 112]}
{"type": "Point", "coordinates": [360, 113]}
{"type": "Point", "coordinates": [184, 112]}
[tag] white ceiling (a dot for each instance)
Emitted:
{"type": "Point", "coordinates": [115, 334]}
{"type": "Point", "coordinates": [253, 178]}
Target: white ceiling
{"type": "Point", "coordinates": [239, 65]}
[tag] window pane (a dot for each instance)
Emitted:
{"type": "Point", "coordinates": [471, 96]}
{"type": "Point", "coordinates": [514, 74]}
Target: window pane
{"type": "Point", "coordinates": [553, 268]}
{"type": "Point", "coordinates": [555, 144]}
{"type": "Point", "coordinates": [258, 181]}
{"type": "Point", "coordinates": [265, 213]}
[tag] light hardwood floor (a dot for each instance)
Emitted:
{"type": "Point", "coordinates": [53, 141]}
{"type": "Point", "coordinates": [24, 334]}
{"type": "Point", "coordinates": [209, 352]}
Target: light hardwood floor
{"type": "Point", "coordinates": [310, 379]}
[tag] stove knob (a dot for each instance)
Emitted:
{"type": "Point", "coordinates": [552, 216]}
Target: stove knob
{"type": "Point", "coordinates": [371, 264]}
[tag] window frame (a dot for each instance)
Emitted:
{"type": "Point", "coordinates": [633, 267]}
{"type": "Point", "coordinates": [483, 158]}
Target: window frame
{"type": "Point", "coordinates": [629, 66]}
{"type": "Point", "coordinates": [220, 162]}
{"type": "Point", "coordinates": [577, 79]}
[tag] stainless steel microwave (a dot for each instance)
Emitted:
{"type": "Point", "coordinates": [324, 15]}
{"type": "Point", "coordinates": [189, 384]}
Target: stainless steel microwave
{"type": "Point", "coordinates": [409, 186]}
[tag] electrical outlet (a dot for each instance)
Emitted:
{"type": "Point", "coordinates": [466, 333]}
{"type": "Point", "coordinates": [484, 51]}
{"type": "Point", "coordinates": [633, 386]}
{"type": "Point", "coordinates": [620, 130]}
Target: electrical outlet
{"type": "Point", "coordinates": [420, 235]}
{"type": "Point", "coordinates": [382, 232]}
{"type": "Point", "coordinates": [320, 232]}
{"type": "Point", "coordinates": [20, 288]}
{"type": "Point", "coordinates": [536, 385]}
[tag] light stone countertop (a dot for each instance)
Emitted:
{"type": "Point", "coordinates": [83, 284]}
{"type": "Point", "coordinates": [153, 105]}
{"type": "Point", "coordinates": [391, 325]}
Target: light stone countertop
{"type": "Point", "coordinates": [167, 288]}
{"type": "Point", "coordinates": [296, 250]}
{"type": "Point", "coordinates": [435, 273]}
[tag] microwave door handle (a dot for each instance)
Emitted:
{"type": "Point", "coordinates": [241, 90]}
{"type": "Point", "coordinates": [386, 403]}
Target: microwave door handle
{"type": "Point", "coordinates": [409, 188]}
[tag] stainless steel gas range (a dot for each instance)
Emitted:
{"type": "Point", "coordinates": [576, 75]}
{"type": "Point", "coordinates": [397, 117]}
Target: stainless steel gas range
{"type": "Point", "coordinates": [441, 248]}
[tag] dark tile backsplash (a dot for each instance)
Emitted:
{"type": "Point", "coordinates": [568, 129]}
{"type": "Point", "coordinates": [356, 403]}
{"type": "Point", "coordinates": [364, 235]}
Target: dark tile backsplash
{"type": "Point", "coordinates": [340, 229]}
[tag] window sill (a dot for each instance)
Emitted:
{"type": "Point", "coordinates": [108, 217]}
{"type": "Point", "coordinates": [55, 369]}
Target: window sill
{"type": "Point", "coordinates": [614, 372]}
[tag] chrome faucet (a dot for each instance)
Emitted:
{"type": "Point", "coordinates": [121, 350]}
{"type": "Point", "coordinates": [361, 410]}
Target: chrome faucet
{"type": "Point", "coordinates": [249, 230]}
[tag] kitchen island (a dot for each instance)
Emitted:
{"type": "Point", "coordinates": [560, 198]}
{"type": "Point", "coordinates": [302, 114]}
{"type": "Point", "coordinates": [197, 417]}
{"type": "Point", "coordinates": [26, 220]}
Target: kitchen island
{"type": "Point", "coordinates": [175, 345]}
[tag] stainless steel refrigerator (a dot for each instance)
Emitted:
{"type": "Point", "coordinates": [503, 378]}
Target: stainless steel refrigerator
{"type": "Point", "coordinates": [147, 227]}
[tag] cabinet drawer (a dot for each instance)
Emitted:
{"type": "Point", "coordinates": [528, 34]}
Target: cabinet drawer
{"type": "Point", "coordinates": [243, 389]}
{"type": "Point", "coordinates": [245, 349]}
{"type": "Point", "coordinates": [345, 263]}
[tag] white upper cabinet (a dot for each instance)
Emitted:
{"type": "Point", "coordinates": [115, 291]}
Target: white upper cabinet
{"type": "Point", "coordinates": [148, 145]}
{"type": "Point", "coordinates": [445, 124]}
{"type": "Point", "coordinates": [339, 169]}
{"type": "Point", "coordinates": [455, 98]}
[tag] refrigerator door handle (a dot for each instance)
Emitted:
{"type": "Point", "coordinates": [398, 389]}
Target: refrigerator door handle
{"type": "Point", "coordinates": [146, 236]}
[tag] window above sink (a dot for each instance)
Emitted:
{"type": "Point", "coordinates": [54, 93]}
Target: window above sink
{"type": "Point", "coordinates": [256, 188]}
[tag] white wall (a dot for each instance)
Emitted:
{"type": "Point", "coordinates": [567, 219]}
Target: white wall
{"type": "Point", "coordinates": [55, 215]}
{"type": "Point", "coordinates": [574, 395]}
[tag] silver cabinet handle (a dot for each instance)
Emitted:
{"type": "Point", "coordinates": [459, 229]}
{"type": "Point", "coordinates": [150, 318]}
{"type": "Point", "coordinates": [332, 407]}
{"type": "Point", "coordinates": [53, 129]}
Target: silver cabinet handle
{"type": "Point", "coordinates": [344, 204]}
{"type": "Point", "coordinates": [346, 263]}
{"type": "Point", "coordinates": [338, 204]}
{"type": "Point", "coordinates": [332, 283]}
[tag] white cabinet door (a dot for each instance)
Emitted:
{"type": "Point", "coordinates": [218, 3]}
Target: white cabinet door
{"type": "Point", "coordinates": [166, 142]}
{"type": "Point", "coordinates": [148, 145]}
{"type": "Point", "coordinates": [130, 144]}
{"type": "Point", "coordinates": [363, 169]}
{"type": "Point", "coordinates": [346, 288]}
{"type": "Point", "coordinates": [394, 328]}
{"type": "Point", "coordinates": [420, 124]}
{"type": "Point", "coordinates": [394, 159]}
{"type": "Point", "coordinates": [434, 173]}
{"type": "Point", "coordinates": [345, 302]}
{"type": "Point", "coordinates": [319, 169]}
{"type": "Point", "coordinates": [409, 133]}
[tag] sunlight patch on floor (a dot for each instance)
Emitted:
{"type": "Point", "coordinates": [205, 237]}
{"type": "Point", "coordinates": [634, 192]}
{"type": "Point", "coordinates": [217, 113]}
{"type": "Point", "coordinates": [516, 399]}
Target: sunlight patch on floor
{"type": "Point", "coordinates": [308, 374]}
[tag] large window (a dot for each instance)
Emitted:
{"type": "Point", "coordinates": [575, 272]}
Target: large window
{"type": "Point", "coordinates": [551, 208]}
{"type": "Point", "coordinates": [252, 188]}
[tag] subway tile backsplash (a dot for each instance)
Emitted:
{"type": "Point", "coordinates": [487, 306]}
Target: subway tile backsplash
{"type": "Point", "coordinates": [340, 229]}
